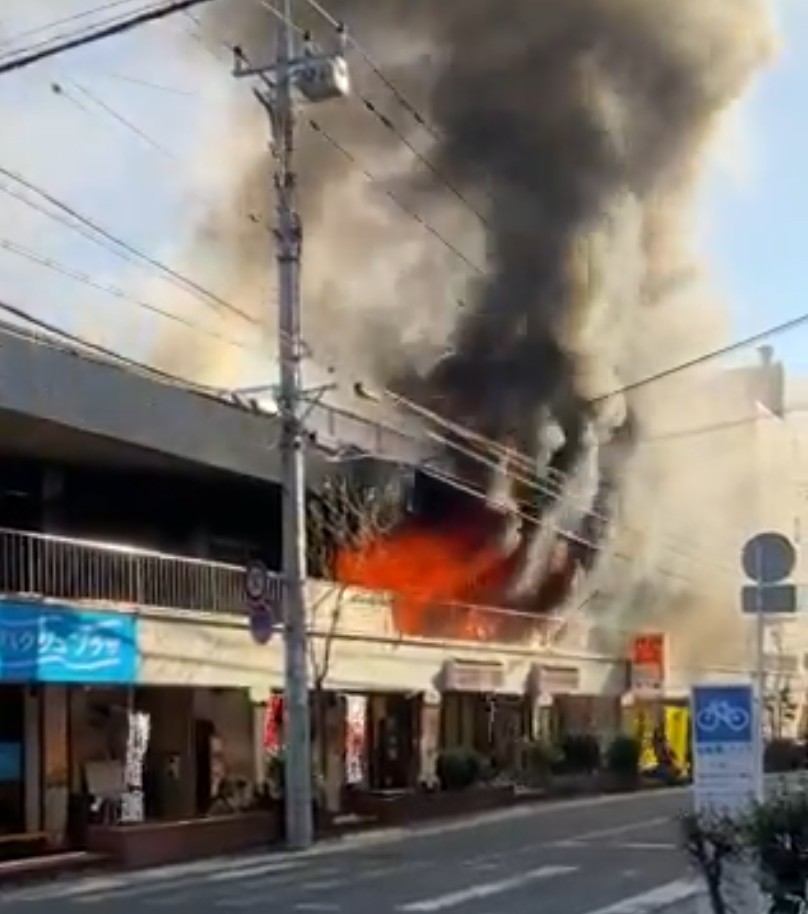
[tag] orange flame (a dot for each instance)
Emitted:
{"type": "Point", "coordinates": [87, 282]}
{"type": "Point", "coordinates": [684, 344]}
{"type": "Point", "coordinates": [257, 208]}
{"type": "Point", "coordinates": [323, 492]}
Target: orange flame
{"type": "Point", "coordinates": [444, 580]}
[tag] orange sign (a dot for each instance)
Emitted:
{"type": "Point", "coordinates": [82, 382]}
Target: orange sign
{"type": "Point", "coordinates": [648, 650]}
{"type": "Point", "coordinates": [648, 664]}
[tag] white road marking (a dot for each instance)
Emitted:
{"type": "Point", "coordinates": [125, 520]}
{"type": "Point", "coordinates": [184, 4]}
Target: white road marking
{"type": "Point", "coordinates": [260, 869]}
{"type": "Point", "coordinates": [621, 829]}
{"type": "Point", "coordinates": [646, 846]}
{"type": "Point", "coordinates": [485, 889]}
{"type": "Point", "coordinates": [650, 901]}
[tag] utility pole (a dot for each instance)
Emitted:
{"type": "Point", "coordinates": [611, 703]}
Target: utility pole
{"type": "Point", "coordinates": [318, 77]}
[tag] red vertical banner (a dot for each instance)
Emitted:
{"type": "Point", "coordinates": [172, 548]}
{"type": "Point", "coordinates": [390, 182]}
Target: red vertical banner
{"type": "Point", "coordinates": [273, 724]}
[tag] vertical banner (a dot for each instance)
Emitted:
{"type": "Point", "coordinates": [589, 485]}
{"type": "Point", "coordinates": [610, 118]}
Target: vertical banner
{"type": "Point", "coordinates": [273, 724]}
{"type": "Point", "coordinates": [137, 743]}
{"type": "Point", "coordinates": [356, 712]}
{"type": "Point", "coordinates": [677, 734]}
{"type": "Point", "coordinates": [644, 726]}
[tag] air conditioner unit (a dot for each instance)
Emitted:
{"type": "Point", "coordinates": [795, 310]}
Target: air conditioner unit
{"type": "Point", "coordinates": [325, 78]}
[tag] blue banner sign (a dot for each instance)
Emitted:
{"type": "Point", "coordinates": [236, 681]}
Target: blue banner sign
{"type": "Point", "coordinates": [45, 643]}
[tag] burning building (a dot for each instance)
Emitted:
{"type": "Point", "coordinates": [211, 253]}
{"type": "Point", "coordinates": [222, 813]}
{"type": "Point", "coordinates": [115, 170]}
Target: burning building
{"type": "Point", "coordinates": [563, 145]}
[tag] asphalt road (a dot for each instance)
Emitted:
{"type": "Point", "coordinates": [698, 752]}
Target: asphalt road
{"type": "Point", "coordinates": [603, 856]}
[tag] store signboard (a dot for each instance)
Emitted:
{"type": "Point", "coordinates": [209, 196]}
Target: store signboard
{"type": "Point", "coordinates": [460, 675]}
{"type": "Point", "coordinates": [43, 642]}
{"type": "Point", "coordinates": [648, 665]}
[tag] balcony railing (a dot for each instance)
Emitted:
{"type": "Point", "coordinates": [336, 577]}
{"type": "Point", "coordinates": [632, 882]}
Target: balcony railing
{"type": "Point", "coordinates": [69, 569]}
{"type": "Point", "coordinates": [42, 565]}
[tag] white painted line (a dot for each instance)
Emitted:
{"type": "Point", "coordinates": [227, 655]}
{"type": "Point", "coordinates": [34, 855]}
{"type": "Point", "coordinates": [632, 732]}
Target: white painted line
{"type": "Point", "coordinates": [621, 829]}
{"type": "Point", "coordinates": [485, 889]}
{"type": "Point", "coordinates": [646, 846]}
{"type": "Point", "coordinates": [245, 872]}
{"type": "Point", "coordinates": [663, 895]}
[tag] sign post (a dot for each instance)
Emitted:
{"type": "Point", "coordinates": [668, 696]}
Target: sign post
{"type": "Point", "coordinates": [262, 616]}
{"type": "Point", "coordinates": [767, 559]}
{"type": "Point", "coordinates": [727, 774]}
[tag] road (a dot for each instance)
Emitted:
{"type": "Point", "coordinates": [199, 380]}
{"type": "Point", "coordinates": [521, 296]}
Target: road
{"type": "Point", "coordinates": [616, 855]}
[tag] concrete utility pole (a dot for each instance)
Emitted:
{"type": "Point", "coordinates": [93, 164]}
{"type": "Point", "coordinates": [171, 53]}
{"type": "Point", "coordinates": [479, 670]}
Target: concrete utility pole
{"type": "Point", "coordinates": [318, 77]}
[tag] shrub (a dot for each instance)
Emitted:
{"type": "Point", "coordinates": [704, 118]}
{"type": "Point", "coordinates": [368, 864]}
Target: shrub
{"type": "Point", "coordinates": [275, 773]}
{"type": "Point", "coordinates": [459, 768]}
{"type": "Point", "coordinates": [776, 831]}
{"type": "Point", "coordinates": [711, 843]}
{"type": "Point", "coordinates": [581, 753]}
{"type": "Point", "coordinates": [538, 759]}
{"type": "Point", "coordinates": [623, 756]}
{"type": "Point", "coordinates": [782, 755]}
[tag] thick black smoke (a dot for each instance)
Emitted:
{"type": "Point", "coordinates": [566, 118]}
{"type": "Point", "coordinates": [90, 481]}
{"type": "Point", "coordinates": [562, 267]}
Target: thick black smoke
{"type": "Point", "coordinates": [576, 129]}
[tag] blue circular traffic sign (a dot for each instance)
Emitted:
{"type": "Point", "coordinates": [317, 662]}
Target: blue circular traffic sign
{"type": "Point", "coordinates": [262, 623]}
{"type": "Point", "coordinates": [768, 558]}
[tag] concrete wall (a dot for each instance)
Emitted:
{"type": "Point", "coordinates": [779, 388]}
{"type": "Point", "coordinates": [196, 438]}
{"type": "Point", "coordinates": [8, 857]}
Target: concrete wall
{"type": "Point", "coordinates": [53, 383]}
{"type": "Point", "coordinates": [58, 385]}
{"type": "Point", "coordinates": [354, 641]}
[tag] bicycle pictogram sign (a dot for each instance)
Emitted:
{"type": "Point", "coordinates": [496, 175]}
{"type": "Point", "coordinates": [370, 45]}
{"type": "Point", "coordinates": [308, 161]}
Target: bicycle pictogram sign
{"type": "Point", "coordinates": [722, 714]}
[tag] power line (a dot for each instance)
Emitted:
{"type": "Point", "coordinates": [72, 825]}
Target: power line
{"type": "Point", "coordinates": [376, 68]}
{"type": "Point", "coordinates": [55, 23]}
{"type": "Point", "coordinates": [372, 179]}
{"type": "Point", "coordinates": [111, 112]}
{"type": "Point", "coordinates": [188, 285]}
{"type": "Point", "coordinates": [91, 37]}
{"type": "Point", "coordinates": [50, 264]}
{"type": "Point", "coordinates": [704, 358]}
{"type": "Point", "coordinates": [148, 84]}
{"type": "Point", "coordinates": [382, 118]}
{"type": "Point", "coordinates": [98, 349]}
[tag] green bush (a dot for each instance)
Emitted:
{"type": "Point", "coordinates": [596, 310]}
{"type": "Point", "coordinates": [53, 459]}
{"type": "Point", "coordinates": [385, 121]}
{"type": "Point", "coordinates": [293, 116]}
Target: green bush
{"type": "Point", "coordinates": [581, 753]}
{"type": "Point", "coordinates": [538, 758]}
{"type": "Point", "coordinates": [459, 768]}
{"type": "Point", "coordinates": [782, 755]}
{"type": "Point", "coordinates": [623, 756]}
{"type": "Point", "coordinates": [776, 832]}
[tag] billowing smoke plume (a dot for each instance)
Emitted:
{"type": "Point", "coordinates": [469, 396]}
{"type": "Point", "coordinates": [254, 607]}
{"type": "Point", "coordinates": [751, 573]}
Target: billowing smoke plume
{"type": "Point", "coordinates": [576, 133]}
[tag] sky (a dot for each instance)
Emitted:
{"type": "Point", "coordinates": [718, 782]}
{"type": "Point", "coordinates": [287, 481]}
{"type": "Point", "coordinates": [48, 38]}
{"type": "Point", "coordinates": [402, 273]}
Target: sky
{"type": "Point", "coordinates": [138, 137]}
{"type": "Point", "coordinates": [758, 215]}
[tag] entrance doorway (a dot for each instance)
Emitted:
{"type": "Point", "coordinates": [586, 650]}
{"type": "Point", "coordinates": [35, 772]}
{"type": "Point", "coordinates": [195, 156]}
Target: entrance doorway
{"type": "Point", "coordinates": [12, 760]}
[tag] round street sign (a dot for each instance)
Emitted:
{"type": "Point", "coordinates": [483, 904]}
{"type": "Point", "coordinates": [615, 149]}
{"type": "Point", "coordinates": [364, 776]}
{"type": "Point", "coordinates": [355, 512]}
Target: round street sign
{"type": "Point", "coordinates": [262, 623]}
{"type": "Point", "coordinates": [768, 558]}
{"type": "Point", "coordinates": [256, 581]}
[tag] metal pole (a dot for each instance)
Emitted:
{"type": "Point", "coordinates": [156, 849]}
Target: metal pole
{"type": "Point", "coordinates": [760, 618]}
{"type": "Point", "coordinates": [298, 771]}
{"type": "Point", "coordinates": [760, 677]}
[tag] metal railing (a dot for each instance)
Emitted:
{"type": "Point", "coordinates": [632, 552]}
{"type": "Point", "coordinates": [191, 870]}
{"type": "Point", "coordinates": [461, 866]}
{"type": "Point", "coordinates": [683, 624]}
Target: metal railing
{"type": "Point", "coordinates": [34, 564]}
{"type": "Point", "coordinates": [63, 568]}
{"type": "Point", "coordinates": [469, 622]}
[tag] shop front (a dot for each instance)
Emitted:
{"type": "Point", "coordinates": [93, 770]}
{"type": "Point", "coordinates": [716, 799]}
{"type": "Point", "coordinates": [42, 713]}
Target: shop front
{"type": "Point", "coordinates": [476, 714]}
{"type": "Point", "coordinates": [47, 651]}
